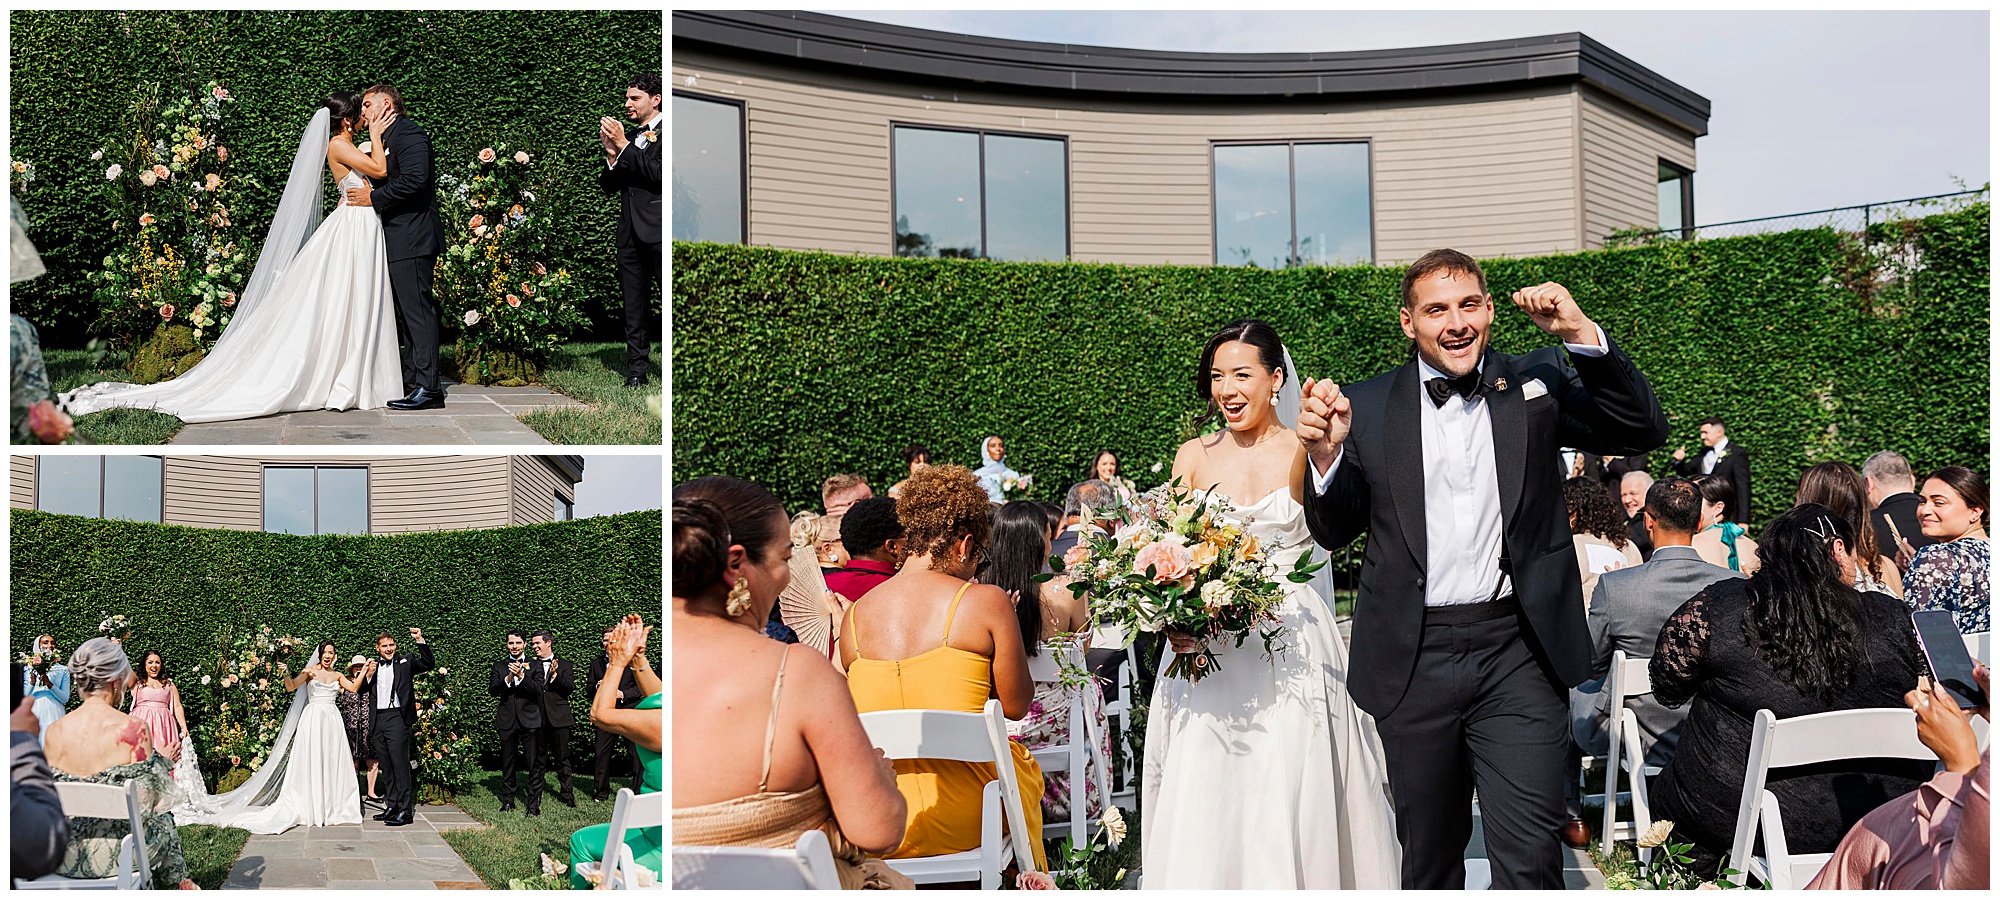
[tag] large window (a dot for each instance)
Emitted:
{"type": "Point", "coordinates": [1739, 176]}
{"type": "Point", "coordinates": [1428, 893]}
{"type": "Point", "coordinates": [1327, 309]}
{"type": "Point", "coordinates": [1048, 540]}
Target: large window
{"type": "Point", "coordinates": [102, 487]}
{"type": "Point", "coordinates": [315, 500]}
{"type": "Point", "coordinates": [1292, 203]}
{"type": "Point", "coordinates": [565, 509]}
{"type": "Point", "coordinates": [980, 195]}
{"type": "Point", "coordinates": [1676, 199]}
{"type": "Point", "coordinates": [708, 170]}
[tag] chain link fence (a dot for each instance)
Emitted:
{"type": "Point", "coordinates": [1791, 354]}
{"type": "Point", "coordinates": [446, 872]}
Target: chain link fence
{"type": "Point", "coordinates": [1853, 219]}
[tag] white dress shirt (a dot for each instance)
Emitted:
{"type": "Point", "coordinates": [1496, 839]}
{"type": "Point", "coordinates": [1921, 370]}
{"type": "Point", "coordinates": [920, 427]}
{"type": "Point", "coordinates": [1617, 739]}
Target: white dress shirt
{"type": "Point", "coordinates": [1709, 456]}
{"type": "Point", "coordinates": [385, 686]}
{"type": "Point", "coordinates": [1463, 524]}
{"type": "Point", "coordinates": [652, 125]}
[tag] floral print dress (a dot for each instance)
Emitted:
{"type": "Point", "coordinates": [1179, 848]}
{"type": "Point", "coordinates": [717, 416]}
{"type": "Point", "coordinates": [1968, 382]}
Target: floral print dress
{"type": "Point", "coordinates": [1953, 576]}
{"type": "Point", "coordinates": [93, 843]}
{"type": "Point", "coordinates": [1047, 725]}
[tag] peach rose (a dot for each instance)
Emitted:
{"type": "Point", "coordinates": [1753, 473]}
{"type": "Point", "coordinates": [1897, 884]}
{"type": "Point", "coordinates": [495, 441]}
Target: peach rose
{"type": "Point", "coordinates": [1168, 561]}
{"type": "Point", "coordinates": [1035, 881]}
{"type": "Point", "coordinates": [513, 300]}
{"type": "Point", "coordinates": [1203, 555]}
{"type": "Point", "coordinates": [167, 311]}
{"type": "Point", "coordinates": [229, 299]}
{"type": "Point", "coordinates": [161, 171]}
{"type": "Point", "coordinates": [521, 156]}
{"type": "Point", "coordinates": [221, 153]}
{"type": "Point", "coordinates": [1075, 556]}
{"type": "Point", "coordinates": [486, 155]}
{"type": "Point", "coordinates": [475, 221]}
{"type": "Point", "coordinates": [50, 424]}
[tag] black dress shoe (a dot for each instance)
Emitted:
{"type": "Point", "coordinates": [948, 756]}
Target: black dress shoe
{"type": "Point", "coordinates": [568, 800]}
{"type": "Point", "coordinates": [506, 805]}
{"type": "Point", "coordinates": [635, 381]}
{"type": "Point", "coordinates": [402, 817]}
{"type": "Point", "coordinates": [534, 809]}
{"type": "Point", "coordinates": [383, 815]}
{"type": "Point", "coordinates": [421, 398]}
{"type": "Point", "coordinates": [600, 797]}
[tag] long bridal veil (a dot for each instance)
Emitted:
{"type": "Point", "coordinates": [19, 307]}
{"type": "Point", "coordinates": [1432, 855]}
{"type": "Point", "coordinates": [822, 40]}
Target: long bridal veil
{"type": "Point", "coordinates": [1290, 395]}
{"type": "Point", "coordinates": [199, 807]}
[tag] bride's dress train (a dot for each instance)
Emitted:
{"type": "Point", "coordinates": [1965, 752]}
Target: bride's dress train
{"type": "Point", "coordinates": [1266, 775]}
{"type": "Point", "coordinates": [309, 779]}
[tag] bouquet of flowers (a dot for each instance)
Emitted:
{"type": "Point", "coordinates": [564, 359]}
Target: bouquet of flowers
{"type": "Point", "coordinates": [39, 662]}
{"type": "Point", "coordinates": [117, 628]}
{"type": "Point", "coordinates": [1014, 488]}
{"type": "Point", "coordinates": [1186, 564]}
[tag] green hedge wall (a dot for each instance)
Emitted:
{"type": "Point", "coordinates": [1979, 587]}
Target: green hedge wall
{"type": "Point", "coordinates": [536, 80]}
{"type": "Point", "coordinates": [181, 586]}
{"type": "Point", "coordinates": [789, 366]}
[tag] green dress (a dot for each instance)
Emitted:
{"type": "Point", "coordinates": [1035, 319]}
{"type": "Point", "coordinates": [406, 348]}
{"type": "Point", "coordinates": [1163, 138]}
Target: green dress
{"type": "Point", "coordinates": [587, 844]}
{"type": "Point", "coordinates": [93, 843]}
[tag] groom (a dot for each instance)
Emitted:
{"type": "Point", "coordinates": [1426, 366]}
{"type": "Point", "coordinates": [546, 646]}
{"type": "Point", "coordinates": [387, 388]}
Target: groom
{"type": "Point", "coordinates": [388, 685]}
{"type": "Point", "coordinates": [1470, 628]}
{"type": "Point", "coordinates": [407, 203]}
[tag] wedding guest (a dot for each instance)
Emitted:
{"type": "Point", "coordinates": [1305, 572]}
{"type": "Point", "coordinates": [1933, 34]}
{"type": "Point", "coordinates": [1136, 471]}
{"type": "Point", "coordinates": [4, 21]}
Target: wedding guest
{"type": "Point", "coordinates": [1720, 457]}
{"type": "Point", "coordinates": [609, 742]}
{"type": "Point", "coordinates": [1617, 467]}
{"type": "Point", "coordinates": [97, 744]}
{"type": "Point", "coordinates": [1054, 514]}
{"type": "Point", "coordinates": [517, 717]}
{"type": "Point", "coordinates": [552, 741]}
{"type": "Point", "coordinates": [1578, 464]}
{"type": "Point", "coordinates": [632, 171]}
{"type": "Point", "coordinates": [916, 456]}
{"type": "Point", "coordinates": [831, 551]}
{"type": "Point", "coordinates": [767, 743]}
{"type": "Point", "coordinates": [1104, 467]}
{"type": "Point", "coordinates": [157, 702]}
{"type": "Point", "coordinates": [40, 832]}
{"type": "Point", "coordinates": [874, 541]}
{"type": "Point", "coordinates": [929, 638]}
{"type": "Point", "coordinates": [1598, 531]}
{"type": "Point", "coordinates": [1090, 507]}
{"type": "Point", "coordinates": [1046, 612]}
{"type": "Point", "coordinates": [1955, 572]}
{"type": "Point", "coordinates": [993, 470]}
{"type": "Point", "coordinates": [841, 491]}
{"type": "Point", "coordinates": [1838, 487]}
{"type": "Point", "coordinates": [354, 714]}
{"type": "Point", "coordinates": [1795, 638]}
{"type": "Point", "coordinates": [50, 689]}
{"type": "Point", "coordinates": [1632, 488]}
{"type": "Point", "coordinates": [1892, 497]}
{"type": "Point", "coordinates": [1936, 837]}
{"type": "Point", "coordinates": [1721, 541]}
{"type": "Point", "coordinates": [642, 724]}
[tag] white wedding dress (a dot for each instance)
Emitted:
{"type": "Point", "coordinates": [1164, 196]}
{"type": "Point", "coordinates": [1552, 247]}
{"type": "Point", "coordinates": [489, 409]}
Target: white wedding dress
{"type": "Point", "coordinates": [322, 337]}
{"type": "Point", "coordinates": [1266, 775]}
{"type": "Point", "coordinates": [309, 779]}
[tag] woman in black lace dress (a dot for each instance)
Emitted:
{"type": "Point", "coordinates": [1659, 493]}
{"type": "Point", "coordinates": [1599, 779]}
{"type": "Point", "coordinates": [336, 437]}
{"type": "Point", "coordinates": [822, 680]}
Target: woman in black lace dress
{"type": "Point", "coordinates": [1796, 638]}
{"type": "Point", "coordinates": [354, 713]}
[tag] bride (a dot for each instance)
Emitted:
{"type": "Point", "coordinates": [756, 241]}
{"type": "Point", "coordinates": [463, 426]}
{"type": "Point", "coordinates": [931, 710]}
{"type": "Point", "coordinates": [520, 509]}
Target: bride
{"type": "Point", "coordinates": [1265, 775]}
{"type": "Point", "coordinates": [309, 777]}
{"type": "Point", "coordinates": [315, 327]}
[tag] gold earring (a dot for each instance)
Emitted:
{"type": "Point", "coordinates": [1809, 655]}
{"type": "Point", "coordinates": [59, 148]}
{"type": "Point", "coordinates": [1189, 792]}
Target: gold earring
{"type": "Point", "coordinates": [739, 598]}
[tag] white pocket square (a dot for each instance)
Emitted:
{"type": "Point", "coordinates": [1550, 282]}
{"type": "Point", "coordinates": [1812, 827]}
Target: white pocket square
{"type": "Point", "coordinates": [1534, 388]}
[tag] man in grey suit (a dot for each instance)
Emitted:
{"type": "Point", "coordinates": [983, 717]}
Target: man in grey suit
{"type": "Point", "coordinates": [41, 832]}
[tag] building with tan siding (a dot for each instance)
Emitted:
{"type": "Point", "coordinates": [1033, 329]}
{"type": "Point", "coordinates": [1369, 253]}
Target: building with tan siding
{"type": "Point", "coordinates": [303, 494]}
{"type": "Point", "coordinates": [815, 132]}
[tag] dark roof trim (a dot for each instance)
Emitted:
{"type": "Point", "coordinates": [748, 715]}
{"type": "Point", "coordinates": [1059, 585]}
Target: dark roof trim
{"type": "Point", "coordinates": [896, 52]}
{"type": "Point", "coordinates": [570, 467]}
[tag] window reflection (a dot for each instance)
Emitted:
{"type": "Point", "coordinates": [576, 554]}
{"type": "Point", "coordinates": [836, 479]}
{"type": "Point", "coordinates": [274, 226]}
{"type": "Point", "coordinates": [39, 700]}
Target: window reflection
{"type": "Point", "coordinates": [132, 486]}
{"type": "Point", "coordinates": [1027, 211]}
{"type": "Point", "coordinates": [343, 501]}
{"type": "Point", "coordinates": [69, 484]}
{"type": "Point", "coordinates": [708, 170]}
{"type": "Point", "coordinates": [1290, 204]}
{"type": "Point", "coordinates": [288, 499]}
{"type": "Point", "coordinates": [971, 195]}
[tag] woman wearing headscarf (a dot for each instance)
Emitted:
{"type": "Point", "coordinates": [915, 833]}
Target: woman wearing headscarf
{"type": "Point", "coordinates": [993, 471]}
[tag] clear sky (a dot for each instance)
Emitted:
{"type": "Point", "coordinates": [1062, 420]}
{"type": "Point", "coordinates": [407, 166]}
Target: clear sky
{"type": "Point", "coordinates": [1809, 110]}
{"type": "Point", "coordinates": [619, 484]}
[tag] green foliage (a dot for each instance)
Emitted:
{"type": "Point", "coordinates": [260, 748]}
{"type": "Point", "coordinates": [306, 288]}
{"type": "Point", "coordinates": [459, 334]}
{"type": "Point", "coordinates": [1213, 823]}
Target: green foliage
{"type": "Point", "coordinates": [537, 80]}
{"type": "Point", "coordinates": [211, 852]}
{"type": "Point", "coordinates": [185, 588]}
{"type": "Point", "coordinates": [789, 367]}
{"type": "Point", "coordinates": [499, 282]}
{"type": "Point", "coordinates": [169, 353]}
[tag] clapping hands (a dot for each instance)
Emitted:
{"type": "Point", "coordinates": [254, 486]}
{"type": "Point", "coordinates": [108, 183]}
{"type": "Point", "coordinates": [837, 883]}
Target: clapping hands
{"type": "Point", "coordinates": [628, 639]}
{"type": "Point", "coordinates": [612, 135]}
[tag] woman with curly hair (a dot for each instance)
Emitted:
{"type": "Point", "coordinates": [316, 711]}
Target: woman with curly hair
{"type": "Point", "coordinates": [1600, 531]}
{"type": "Point", "coordinates": [929, 638]}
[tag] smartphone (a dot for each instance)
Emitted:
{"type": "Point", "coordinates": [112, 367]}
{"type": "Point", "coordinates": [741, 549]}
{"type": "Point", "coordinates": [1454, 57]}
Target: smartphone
{"type": "Point", "coordinates": [20, 673]}
{"type": "Point", "coordinates": [1951, 665]}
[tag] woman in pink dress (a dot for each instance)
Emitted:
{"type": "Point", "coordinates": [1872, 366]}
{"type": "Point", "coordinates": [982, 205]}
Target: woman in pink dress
{"type": "Point", "coordinates": [157, 702]}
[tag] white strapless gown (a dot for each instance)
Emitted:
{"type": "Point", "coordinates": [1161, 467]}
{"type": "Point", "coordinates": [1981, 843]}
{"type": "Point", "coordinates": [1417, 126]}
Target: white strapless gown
{"type": "Point", "coordinates": [1266, 775]}
{"type": "Point", "coordinates": [318, 786]}
{"type": "Point", "coordinates": [325, 338]}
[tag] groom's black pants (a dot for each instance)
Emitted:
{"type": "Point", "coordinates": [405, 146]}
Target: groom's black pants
{"type": "Point", "coordinates": [1482, 711]}
{"type": "Point", "coordinates": [410, 280]}
{"type": "Point", "coordinates": [639, 282]}
{"type": "Point", "coordinates": [513, 760]}
{"type": "Point", "coordinates": [390, 736]}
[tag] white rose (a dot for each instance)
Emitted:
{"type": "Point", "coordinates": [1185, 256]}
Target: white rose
{"type": "Point", "coordinates": [472, 317]}
{"type": "Point", "coordinates": [112, 173]}
{"type": "Point", "coordinates": [148, 179]}
{"type": "Point", "coordinates": [1215, 595]}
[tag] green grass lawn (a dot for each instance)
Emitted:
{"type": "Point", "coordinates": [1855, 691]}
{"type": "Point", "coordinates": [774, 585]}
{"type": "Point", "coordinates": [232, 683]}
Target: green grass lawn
{"type": "Point", "coordinates": [595, 374]}
{"type": "Point", "coordinates": [513, 847]}
{"type": "Point", "coordinates": [71, 369]}
{"type": "Point", "coordinates": [211, 852]}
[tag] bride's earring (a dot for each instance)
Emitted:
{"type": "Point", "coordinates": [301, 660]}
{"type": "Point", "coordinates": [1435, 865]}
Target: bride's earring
{"type": "Point", "coordinates": [739, 598]}
{"type": "Point", "coordinates": [1274, 396]}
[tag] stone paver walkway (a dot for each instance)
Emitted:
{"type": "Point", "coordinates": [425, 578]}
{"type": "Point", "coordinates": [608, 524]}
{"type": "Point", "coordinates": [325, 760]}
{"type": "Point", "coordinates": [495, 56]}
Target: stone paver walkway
{"type": "Point", "coordinates": [368, 856]}
{"type": "Point", "coordinates": [472, 414]}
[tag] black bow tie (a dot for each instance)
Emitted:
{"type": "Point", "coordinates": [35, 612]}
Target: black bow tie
{"type": "Point", "coordinates": [1466, 386]}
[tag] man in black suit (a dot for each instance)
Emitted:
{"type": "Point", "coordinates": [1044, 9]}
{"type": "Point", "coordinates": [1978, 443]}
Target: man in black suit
{"type": "Point", "coordinates": [389, 685]}
{"type": "Point", "coordinates": [518, 684]}
{"type": "Point", "coordinates": [1470, 628]}
{"type": "Point", "coordinates": [1720, 457]}
{"type": "Point", "coordinates": [1892, 492]}
{"type": "Point", "coordinates": [629, 696]}
{"type": "Point", "coordinates": [632, 170]}
{"type": "Point", "coordinates": [1632, 490]}
{"type": "Point", "coordinates": [558, 681]}
{"type": "Point", "coordinates": [412, 235]}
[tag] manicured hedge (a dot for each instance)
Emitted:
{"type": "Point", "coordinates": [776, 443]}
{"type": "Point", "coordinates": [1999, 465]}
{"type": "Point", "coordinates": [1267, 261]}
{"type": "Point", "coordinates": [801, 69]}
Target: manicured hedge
{"type": "Point", "coordinates": [181, 586]}
{"type": "Point", "coordinates": [535, 80]}
{"type": "Point", "coordinates": [789, 366]}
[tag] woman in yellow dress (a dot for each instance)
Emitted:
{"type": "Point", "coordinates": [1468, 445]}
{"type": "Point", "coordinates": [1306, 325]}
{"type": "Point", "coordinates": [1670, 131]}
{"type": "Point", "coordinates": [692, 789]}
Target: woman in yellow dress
{"type": "Point", "coordinates": [929, 638]}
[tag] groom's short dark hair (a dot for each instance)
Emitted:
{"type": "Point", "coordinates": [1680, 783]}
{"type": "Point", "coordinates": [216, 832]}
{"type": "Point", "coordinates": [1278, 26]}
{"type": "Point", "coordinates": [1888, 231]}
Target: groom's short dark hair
{"type": "Point", "coordinates": [645, 81]}
{"type": "Point", "coordinates": [547, 635]}
{"type": "Point", "coordinates": [379, 637]}
{"type": "Point", "coordinates": [1439, 260]}
{"type": "Point", "coordinates": [395, 96]}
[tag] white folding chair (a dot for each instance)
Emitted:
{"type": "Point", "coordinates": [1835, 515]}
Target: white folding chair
{"type": "Point", "coordinates": [103, 801]}
{"type": "Point", "coordinates": [1628, 678]}
{"type": "Point", "coordinates": [1806, 740]}
{"type": "Point", "coordinates": [1120, 712]}
{"type": "Point", "coordinates": [630, 811]}
{"type": "Point", "coordinates": [1979, 644]}
{"type": "Point", "coordinates": [935, 734]}
{"type": "Point", "coordinates": [1084, 750]}
{"type": "Point", "coordinates": [805, 866]}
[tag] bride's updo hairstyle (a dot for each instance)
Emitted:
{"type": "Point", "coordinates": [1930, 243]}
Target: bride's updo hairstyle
{"type": "Point", "coordinates": [940, 505]}
{"type": "Point", "coordinates": [99, 665]}
{"type": "Point", "coordinates": [1255, 332]}
{"type": "Point", "coordinates": [713, 514]}
{"type": "Point", "coordinates": [343, 109]}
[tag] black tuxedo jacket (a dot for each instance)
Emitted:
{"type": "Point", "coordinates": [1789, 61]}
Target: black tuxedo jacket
{"type": "Point", "coordinates": [520, 704]}
{"type": "Point", "coordinates": [407, 668]}
{"type": "Point", "coordinates": [407, 198]}
{"type": "Point", "coordinates": [628, 686]}
{"type": "Point", "coordinates": [1614, 471]}
{"type": "Point", "coordinates": [1735, 467]}
{"type": "Point", "coordinates": [636, 178]}
{"type": "Point", "coordinates": [555, 693]}
{"type": "Point", "coordinates": [1600, 404]}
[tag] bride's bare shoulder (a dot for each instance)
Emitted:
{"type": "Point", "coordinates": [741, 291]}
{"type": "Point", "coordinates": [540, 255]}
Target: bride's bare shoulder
{"type": "Point", "coordinates": [1192, 453]}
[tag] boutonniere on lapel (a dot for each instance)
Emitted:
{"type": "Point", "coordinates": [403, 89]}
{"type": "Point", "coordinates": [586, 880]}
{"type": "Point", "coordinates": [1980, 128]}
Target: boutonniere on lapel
{"type": "Point", "coordinates": [649, 136]}
{"type": "Point", "coordinates": [1500, 384]}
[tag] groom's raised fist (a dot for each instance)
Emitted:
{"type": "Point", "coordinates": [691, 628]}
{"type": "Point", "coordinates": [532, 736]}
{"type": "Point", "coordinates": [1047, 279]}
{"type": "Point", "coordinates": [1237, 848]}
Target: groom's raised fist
{"type": "Point", "coordinates": [1325, 417]}
{"type": "Point", "coordinates": [1555, 311]}
{"type": "Point", "coordinates": [417, 634]}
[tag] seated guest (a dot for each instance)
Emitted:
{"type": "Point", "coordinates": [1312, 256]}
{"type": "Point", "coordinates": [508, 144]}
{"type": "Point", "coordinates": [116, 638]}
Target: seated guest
{"type": "Point", "coordinates": [1892, 497]}
{"type": "Point", "coordinates": [40, 832]}
{"type": "Point", "coordinates": [97, 744]}
{"type": "Point", "coordinates": [1044, 611]}
{"type": "Point", "coordinates": [1578, 464]}
{"type": "Point", "coordinates": [1100, 500]}
{"type": "Point", "coordinates": [1935, 838]}
{"type": "Point", "coordinates": [1632, 488]}
{"type": "Point", "coordinates": [1954, 572]}
{"type": "Point", "coordinates": [929, 638]}
{"type": "Point", "coordinates": [1617, 467]}
{"type": "Point", "coordinates": [767, 744]}
{"type": "Point", "coordinates": [1838, 487]}
{"type": "Point", "coordinates": [627, 652]}
{"type": "Point", "coordinates": [841, 491]}
{"type": "Point", "coordinates": [1054, 513]}
{"type": "Point", "coordinates": [1597, 531]}
{"type": "Point", "coordinates": [1720, 541]}
{"type": "Point", "coordinates": [1104, 467]}
{"type": "Point", "coordinates": [1795, 638]}
{"type": "Point", "coordinates": [874, 541]}
{"type": "Point", "coordinates": [916, 457]}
